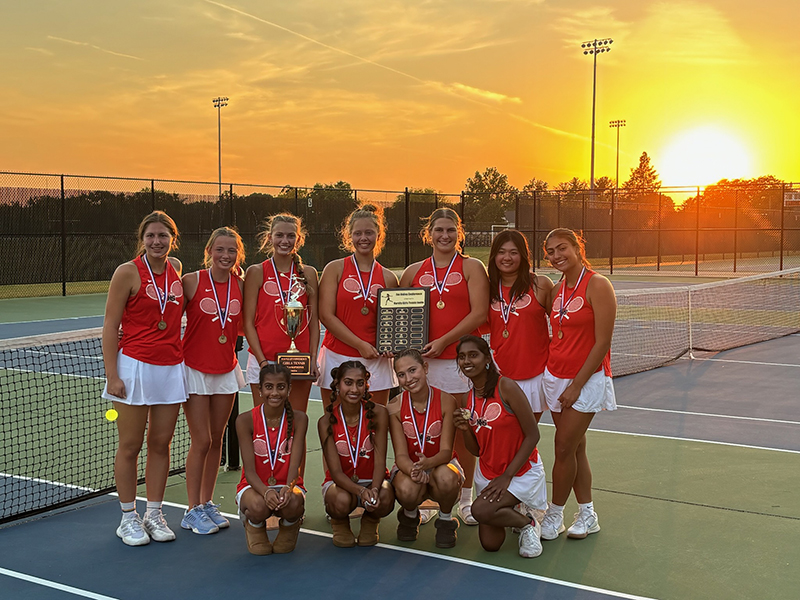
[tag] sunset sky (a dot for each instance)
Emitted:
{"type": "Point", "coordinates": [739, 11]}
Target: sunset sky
{"type": "Point", "coordinates": [386, 94]}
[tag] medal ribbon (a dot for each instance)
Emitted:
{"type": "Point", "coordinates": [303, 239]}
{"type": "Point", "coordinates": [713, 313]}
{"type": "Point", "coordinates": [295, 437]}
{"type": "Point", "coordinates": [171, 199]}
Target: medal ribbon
{"type": "Point", "coordinates": [364, 293]}
{"type": "Point", "coordinates": [353, 451]}
{"type": "Point", "coordinates": [222, 315]}
{"type": "Point", "coordinates": [563, 310]}
{"type": "Point", "coordinates": [284, 299]}
{"type": "Point", "coordinates": [162, 298]}
{"type": "Point", "coordinates": [420, 438]}
{"type": "Point", "coordinates": [272, 456]}
{"type": "Point", "coordinates": [505, 309]}
{"type": "Point", "coordinates": [440, 288]}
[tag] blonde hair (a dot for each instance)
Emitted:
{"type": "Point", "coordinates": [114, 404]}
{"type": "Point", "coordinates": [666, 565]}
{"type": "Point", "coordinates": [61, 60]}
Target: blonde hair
{"type": "Point", "coordinates": [575, 239]}
{"type": "Point", "coordinates": [157, 216]}
{"type": "Point", "coordinates": [225, 232]}
{"type": "Point", "coordinates": [265, 237]}
{"type": "Point", "coordinates": [443, 213]}
{"type": "Point", "coordinates": [365, 211]}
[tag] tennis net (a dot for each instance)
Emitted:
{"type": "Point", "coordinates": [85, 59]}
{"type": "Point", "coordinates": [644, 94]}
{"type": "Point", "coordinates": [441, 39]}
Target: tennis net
{"type": "Point", "coordinates": [656, 326]}
{"type": "Point", "coordinates": [58, 447]}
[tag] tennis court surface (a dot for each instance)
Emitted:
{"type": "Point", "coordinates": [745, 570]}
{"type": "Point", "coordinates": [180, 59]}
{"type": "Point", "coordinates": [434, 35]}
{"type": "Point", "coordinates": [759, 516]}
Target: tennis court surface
{"type": "Point", "coordinates": [695, 480]}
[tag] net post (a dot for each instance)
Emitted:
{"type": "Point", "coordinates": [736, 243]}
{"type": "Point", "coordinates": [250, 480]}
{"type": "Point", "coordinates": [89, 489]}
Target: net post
{"type": "Point", "coordinates": [63, 240]}
{"type": "Point", "coordinates": [691, 340]}
{"type": "Point", "coordinates": [783, 221]}
{"type": "Point", "coordinates": [406, 227]}
{"type": "Point", "coordinates": [697, 236]}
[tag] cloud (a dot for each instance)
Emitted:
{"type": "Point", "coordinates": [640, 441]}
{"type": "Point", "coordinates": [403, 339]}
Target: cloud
{"type": "Point", "coordinates": [40, 51]}
{"type": "Point", "coordinates": [88, 45]}
{"type": "Point", "coordinates": [485, 94]}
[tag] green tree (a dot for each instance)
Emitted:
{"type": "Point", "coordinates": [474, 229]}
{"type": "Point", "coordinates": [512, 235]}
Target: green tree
{"type": "Point", "coordinates": [644, 178]}
{"type": "Point", "coordinates": [487, 196]}
{"type": "Point", "coordinates": [535, 185]}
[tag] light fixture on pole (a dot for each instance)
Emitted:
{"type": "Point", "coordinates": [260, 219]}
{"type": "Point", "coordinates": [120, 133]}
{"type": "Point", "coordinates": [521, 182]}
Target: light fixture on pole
{"type": "Point", "coordinates": [594, 48]}
{"type": "Point", "coordinates": [219, 102]}
{"type": "Point", "coordinates": [617, 124]}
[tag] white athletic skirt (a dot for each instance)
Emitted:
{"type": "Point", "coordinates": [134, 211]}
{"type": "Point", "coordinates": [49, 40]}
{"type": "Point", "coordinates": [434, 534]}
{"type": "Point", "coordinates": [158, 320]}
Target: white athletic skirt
{"type": "Point", "coordinates": [253, 368]}
{"type": "Point", "coordinates": [208, 384]}
{"type": "Point", "coordinates": [597, 395]}
{"type": "Point", "coordinates": [381, 371]}
{"type": "Point", "coordinates": [146, 384]}
{"type": "Point", "coordinates": [534, 392]}
{"type": "Point", "coordinates": [443, 373]}
{"type": "Point", "coordinates": [530, 487]}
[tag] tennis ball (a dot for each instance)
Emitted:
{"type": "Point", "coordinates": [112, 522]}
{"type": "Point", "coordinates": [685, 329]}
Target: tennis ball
{"type": "Point", "coordinates": [111, 414]}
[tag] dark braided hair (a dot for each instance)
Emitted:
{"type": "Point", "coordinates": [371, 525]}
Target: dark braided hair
{"type": "Point", "coordinates": [278, 369]}
{"type": "Point", "coordinates": [337, 373]}
{"type": "Point", "coordinates": [492, 374]}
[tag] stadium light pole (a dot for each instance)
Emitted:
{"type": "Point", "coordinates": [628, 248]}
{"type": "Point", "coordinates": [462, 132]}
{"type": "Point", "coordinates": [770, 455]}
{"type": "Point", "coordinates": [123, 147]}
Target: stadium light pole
{"type": "Point", "coordinates": [594, 48]}
{"type": "Point", "coordinates": [219, 102]}
{"type": "Point", "coordinates": [617, 124]}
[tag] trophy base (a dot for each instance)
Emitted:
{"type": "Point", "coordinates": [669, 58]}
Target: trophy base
{"type": "Point", "coordinates": [299, 363]}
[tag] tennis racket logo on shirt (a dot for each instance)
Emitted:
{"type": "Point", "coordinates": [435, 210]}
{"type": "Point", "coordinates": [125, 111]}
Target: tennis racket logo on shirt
{"type": "Point", "coordinates": [524, 301]}
{"type": "Point", "coordinates": [175, 292]}
{"type": "Point", "coordinates": [490, 414]}
{"type": "Point", "coordinates": [209, 307]}
{"type": "Point", "coordinates": [272, 290]}
{"type": "Point", "coordinates": [452, 279]}
{"type": "Point", "coordinates": [573, 306]}
{"type": "Point", "coordinates": [344, 450]}
{"type": "Point", "coordinates": [434, 431]}
{"type": "Point", "coordinates": [260, 450]}
{"type": "Point", "coordinates": [352, 286]}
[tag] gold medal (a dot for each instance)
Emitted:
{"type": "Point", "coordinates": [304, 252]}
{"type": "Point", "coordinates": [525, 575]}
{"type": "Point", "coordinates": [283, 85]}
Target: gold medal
{"type": "Point", "coordinates": [364, 310]}
{"type": "Point", "coordinates": [440, 304]}
{"type": "Point", "coordinates": [223, 338]}
{"type": "Point", "coordinates": [505, 333]}
{"type": "Point", "coordinates": [162, 324]}
{"type": "Point", "coordinates": [354, 478]}
{"type": "Point", "coordinates": [272, 481]}
{"type": "Point", "coordinates": [560, 334]}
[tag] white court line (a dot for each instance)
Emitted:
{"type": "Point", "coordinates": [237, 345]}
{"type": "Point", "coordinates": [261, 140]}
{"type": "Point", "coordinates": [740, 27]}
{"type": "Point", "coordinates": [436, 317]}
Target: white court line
{"type": "Point", "coordinates": [56, 586]}
{"type": "Point", "coordinates": [50, 320]}
{"type": "Point", "coordinates": [742, 362]}
{"type": "Point", "coordinates": [699, 414]}
{"type": "Point", "coordinates": [48, 482]}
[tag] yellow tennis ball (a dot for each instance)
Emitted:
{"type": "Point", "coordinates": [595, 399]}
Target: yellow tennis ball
{"type": "Point", "coordinates": [111, 414]}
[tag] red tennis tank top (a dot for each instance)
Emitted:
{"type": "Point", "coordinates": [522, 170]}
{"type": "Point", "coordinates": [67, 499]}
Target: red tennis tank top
{"type": "Point", "coordinates": [350, 301]}
{"type": "Point", "coordinates": [277, 439]}
{"type": "Point", "coordinates": [269, 320]}
{"type": "Point", "coordinates": [344, 436]}
{"type": "Point", "coordinates": [141, 337]}
{"type": "Point", "coordinates": [201, 347]}
{"type": "Point", "coordinates": [568, 353]}
{"type": "Point", "coordinates": [523, 354]}
{"type": "Point", "coordinates": [498, 433]}
{"type": "Point", "coordinates": [414, 424]}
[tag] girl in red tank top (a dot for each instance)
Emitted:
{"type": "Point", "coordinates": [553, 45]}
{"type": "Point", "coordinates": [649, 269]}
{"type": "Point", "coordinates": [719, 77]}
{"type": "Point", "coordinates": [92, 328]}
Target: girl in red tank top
{"type": "Point", "coordinates": [213, 322]}
{"type": "Point", "coordinates": [144, 374]}
{"type": "Point", "coordinates": [582, 318]}
{"type": "Point", "coordinates": [421, 424]}
{"type": "Point", "coordinates": [348, 291]}
{"type": "Point", "coordinates": [518, 315]}
{"type": "Point", "coordinates": [353, 435]}
{"type": "Point", "coordinates": [272, 441]}
{"type": "Point", "coordinates": [500, 429]}
{"type": "Point", "coordinates": [459, 294]}
{"type": "Point", "coordinates": [267, 287]}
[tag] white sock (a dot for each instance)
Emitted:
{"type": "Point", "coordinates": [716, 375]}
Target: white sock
{"type": "Point", "coordinates": [411, 514]}
{"type": "Point", "coordinates": [555, 509]}
{"type": "Point", "coordinates": [587, 508]}
{"type": "Point", "coordinates": [128, 506]}
{"type": "Point", "coordinates": [445, 516]}
{"type": "Point", "coordinates": [286, 523]}
{"type": "Point", "coordinates": [466, 496]}
{"type": "Point", "coordinates": [256, 524]}
{"type": "Point", "coordinates": [153, 506]}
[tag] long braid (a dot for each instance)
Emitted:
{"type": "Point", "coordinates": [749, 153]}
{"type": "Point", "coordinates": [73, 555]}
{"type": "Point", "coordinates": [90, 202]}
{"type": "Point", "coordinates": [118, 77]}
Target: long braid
{"type": "Point", "coordinates": [370, 406]}
{"type": "Point", "coordinates": [287, 406]}
{"type": "Point", "coordinates": [334, 396]}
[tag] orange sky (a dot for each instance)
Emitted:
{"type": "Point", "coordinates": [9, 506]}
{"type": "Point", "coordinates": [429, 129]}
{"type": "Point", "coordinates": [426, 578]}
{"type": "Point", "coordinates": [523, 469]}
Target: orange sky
{"type": "Point", "coordinates": [399, 93]}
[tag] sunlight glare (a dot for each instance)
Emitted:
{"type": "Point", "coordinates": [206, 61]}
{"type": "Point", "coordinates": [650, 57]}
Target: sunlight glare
{"type": "Point", "coordinates": [703, 156]}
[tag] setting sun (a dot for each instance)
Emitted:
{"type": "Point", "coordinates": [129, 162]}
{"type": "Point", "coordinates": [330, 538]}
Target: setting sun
{"type": "Point", "coordinates": [703, 156]}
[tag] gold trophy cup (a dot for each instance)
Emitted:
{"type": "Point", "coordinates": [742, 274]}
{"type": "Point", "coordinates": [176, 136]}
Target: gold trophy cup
{"type": "Point", "coordinates": [299, 363]}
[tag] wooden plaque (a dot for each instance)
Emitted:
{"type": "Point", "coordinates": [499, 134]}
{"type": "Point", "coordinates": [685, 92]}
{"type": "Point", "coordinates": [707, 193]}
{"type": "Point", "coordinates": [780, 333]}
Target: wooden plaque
{"type": "Point", "coordinates": [402, 319]}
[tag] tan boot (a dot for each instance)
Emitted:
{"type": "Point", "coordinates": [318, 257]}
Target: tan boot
{"type": "Point", "coordinates": [257, 541]}
{"type": "Point", "coordinates": [342, 535]}
{"type": "Point", "coordinates": [368, 536]}
{"type": "Point", "coordinates": [287, 537]}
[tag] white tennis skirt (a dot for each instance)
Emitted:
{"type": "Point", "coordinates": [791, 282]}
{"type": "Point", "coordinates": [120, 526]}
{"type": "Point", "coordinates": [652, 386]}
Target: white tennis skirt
{"type": "Point", "coordinates": [208, 384]}
{"type": "Point", "coordinates": [596, 395]}
{"type": "Point", "coordinates": [147, 385]}
{"type": "Point", "coordinates": [381, 370]}
{"type": "Point", "coordinates": [530, 487]}
{"type": "Point", "coordinates": [443, 373]}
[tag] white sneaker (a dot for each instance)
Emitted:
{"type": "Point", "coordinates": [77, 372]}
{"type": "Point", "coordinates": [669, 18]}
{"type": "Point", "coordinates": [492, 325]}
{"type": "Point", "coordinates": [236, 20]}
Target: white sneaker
{"type": "Point", "coordinates": [552, 525]}
{"type": "Point", "coordinates": [465, 514]}
{"type": "Point", "coordinates": [131, 532]}
{"type": "Point", "coordinates": [585, 523]}
{"type": "Point", "coordinates": [426, 514]}
{"type": "Point", "coordinates": [530, 546]}
{"type": "Point", "coordinates": [156, 525]}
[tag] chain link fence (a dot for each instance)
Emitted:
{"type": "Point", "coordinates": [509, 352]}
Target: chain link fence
{"type": "Point", "coordinates": [65, 234]}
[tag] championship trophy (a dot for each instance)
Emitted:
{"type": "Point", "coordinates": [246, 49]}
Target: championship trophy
{"type": "Point", "coordinates": [299, 363]}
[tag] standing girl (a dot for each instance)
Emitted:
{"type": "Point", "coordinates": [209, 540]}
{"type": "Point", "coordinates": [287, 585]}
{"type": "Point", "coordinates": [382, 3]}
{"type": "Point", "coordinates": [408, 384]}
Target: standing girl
{"type": "Point", "coordinates": [518, 316]}
{"type": "Point", "coordinates": [459, 302]}
{"type": "Point", "coordinates": [577, 381]}
{"type": "Point", "coordinates": [266, 290]}
{"type": "Point", "coordinates": [213, 376]}
{"type": "Point", "coordinates": [421, 424]}
{"type": "Point", "coordinates": [353, 436]}
{"type": "Point", "coordinates": [499, 427]}
{"type": "Point", "coordinates": [144, 372]}
{"type": "Point", "coordinates": [348, 291]}
{"type": "Point", "coordinates": [268, 434]}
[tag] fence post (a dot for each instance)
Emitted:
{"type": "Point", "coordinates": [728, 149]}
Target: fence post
{"type": "Point", "coordinates": [296, 203]}
{"type": "Point", "coordinates": [658, 238]}
{"type": "Point", "coordinates": [406, 228]}
{"type": "Point", "coordinates": [735, 228]}
{"type": "Point", "coordinates": [152, 195]}
{"type": "Point", "coordinates": [463, 205]}
{"type": "Point", "coordinates": [516, 211]}
{"type": "Point", "coordinates": [697, 236]}
{"type": "Point", "coordinates": [536, 231]}
{"type": "Point", "coordinates": [63, 240]}
{"type": "Point", "coordinates": [611, 246]}
{"type": "Point", "coordinates": [783, 222]}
